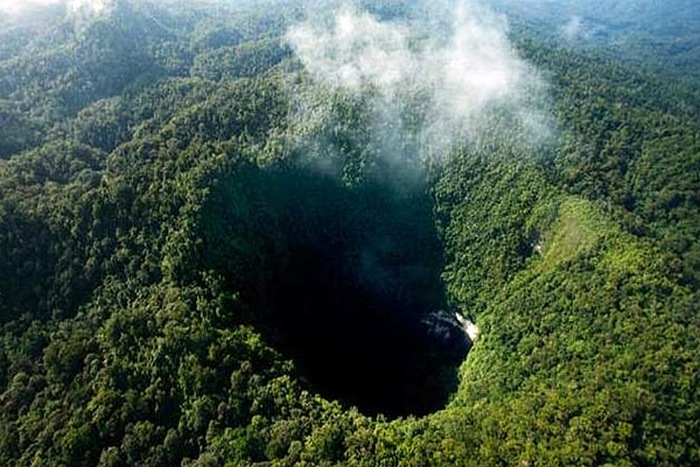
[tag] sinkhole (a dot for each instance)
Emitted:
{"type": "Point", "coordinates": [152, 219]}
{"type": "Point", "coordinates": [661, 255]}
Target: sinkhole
{"type": "Point", "coordinates": [345, 281]}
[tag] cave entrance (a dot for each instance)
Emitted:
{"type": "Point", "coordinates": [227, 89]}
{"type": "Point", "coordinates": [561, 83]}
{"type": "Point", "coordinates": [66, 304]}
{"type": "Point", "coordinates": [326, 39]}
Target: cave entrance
{"type": "Point", "coordinates": [340, 280]}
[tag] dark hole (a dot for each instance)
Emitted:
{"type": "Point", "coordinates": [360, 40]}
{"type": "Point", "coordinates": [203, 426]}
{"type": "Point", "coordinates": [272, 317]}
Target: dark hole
{"type": "Point", "coordinates": [341, 280]}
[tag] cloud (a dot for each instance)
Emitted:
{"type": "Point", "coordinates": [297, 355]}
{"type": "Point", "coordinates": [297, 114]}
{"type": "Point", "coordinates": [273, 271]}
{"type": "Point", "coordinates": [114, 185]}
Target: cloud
{"type": "Point", "coordinates": [355, 51]}
{"type": "Point", "coordinates": [456, 61]}
{"type": "Point", "coordinates": [574, 29]}
{"type": "Point", "coordinates": [73, 7]}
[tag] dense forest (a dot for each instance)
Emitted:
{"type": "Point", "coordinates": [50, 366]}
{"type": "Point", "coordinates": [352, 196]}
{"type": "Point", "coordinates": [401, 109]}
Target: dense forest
{"type": "Point", "coordinates": [228, 230]}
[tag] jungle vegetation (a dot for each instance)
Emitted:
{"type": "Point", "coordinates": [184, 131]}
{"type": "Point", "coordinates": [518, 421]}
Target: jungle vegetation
{"type": "Point", "coordinates": [180, 285]}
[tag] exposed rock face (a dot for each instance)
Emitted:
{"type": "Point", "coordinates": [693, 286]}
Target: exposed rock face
{"type": "Point", "coordinates": [469, 327]}
{"type": "Point", "coordinates": [450, 331]}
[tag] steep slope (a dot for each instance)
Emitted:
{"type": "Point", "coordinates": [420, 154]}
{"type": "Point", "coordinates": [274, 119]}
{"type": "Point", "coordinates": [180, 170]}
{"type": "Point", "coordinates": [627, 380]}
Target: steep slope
{"type": "Point", "coordinates": [176, 268]}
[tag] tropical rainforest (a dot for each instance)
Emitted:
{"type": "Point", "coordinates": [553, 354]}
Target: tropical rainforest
{"type": "Point", "coordinates": [238, 233]}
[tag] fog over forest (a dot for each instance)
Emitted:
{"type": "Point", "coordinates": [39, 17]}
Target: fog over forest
{"type": "Point", "coordinates": [335, 232]}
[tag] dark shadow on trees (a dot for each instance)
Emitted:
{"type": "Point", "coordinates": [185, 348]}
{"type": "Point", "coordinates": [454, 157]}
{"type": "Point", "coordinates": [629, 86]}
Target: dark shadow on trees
{"type": "Point", "coordinates": [338, 279]}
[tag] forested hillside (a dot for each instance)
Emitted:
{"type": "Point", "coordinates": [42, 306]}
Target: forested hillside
{"type": "Point", "coordinates": [222, 244]}
{"type": "Point", "coordinates": [660, 36]}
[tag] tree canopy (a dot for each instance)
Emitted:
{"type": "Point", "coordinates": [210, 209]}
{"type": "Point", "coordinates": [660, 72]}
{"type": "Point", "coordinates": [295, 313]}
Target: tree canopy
{"type": "Point", "coordinates": [207, 258]}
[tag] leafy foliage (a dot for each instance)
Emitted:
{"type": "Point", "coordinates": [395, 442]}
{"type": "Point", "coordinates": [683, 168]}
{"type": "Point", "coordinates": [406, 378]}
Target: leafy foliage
{"type": "Point", "coordinates": [173, 234]}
